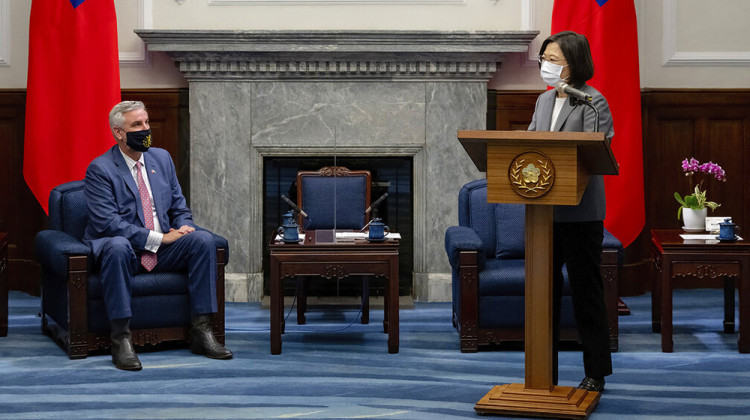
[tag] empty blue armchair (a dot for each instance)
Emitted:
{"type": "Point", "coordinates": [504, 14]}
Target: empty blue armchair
{"type": "Point", "coordinates": [486, 254]}
{"type": "Point", "coordinates": [73, 311]}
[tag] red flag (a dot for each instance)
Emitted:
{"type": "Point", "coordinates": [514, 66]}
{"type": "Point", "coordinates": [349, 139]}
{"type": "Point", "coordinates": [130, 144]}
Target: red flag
{"type": "Point", "coordinates": [73, 83]}
{"type": "Point", "coordinates": [610, 26]}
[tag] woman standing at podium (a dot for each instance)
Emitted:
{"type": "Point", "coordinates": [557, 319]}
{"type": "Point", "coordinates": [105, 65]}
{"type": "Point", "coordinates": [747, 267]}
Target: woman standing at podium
{"type": "Point", "coordinates": [565, 58]}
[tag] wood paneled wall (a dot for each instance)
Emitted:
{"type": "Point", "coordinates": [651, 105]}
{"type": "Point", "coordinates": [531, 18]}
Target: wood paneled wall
{"type": "Point", "coordinates": [708, 125]}
{"type": "Point", "coordinates": [20, 214]}
{"type": "Point", "coordinates": [677, 124]}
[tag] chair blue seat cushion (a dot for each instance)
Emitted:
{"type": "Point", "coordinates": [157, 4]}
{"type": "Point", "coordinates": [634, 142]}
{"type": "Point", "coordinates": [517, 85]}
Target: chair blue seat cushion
{"type": "Point", "coordinates": [146, 284]}
{"type": "Point", "coordinates": [502, 278]}
{"type": "Point", "coordinates": [151, 292]}
{"type": "Point", "coordinates": [506, 278]}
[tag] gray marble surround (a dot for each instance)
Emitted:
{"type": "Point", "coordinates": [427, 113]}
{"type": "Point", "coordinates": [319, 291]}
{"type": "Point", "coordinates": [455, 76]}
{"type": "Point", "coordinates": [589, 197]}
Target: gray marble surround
{"type": "Point", "coordinates": [304, 93]}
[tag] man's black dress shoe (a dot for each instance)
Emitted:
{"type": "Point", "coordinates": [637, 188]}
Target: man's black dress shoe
{"type": "Point", "coordinates": [202, 340]}
{"type": "Point", "coordinates": [592, 384]}
{"type": "Point", "coordinates": [123, 354]}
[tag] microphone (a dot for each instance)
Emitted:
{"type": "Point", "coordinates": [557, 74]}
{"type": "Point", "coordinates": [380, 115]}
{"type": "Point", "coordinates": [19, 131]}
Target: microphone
{"type": "Point", "coordinates": [578, 94]}
{"type": "Point", "coordinates": [294, 206]}
{"type": "Point", "coordinates": [376, 203]}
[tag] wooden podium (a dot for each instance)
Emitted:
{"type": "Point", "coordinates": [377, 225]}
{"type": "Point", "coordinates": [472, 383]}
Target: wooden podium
{"type": "Point", "coordinates": [539, 169]}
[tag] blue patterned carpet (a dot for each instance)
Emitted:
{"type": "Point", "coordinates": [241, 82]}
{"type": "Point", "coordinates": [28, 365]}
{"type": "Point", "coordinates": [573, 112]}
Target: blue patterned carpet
{"type": "Point", "coordinates": [324, 373]}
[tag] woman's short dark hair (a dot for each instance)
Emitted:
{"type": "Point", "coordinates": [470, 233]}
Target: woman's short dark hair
{"type": "Point", "coordinates": [575, 48]}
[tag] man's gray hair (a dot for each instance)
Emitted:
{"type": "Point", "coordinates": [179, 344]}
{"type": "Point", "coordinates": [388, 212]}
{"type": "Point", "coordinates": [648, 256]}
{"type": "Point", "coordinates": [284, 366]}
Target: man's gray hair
{"type": "Point", "coordinates": [115, 116]}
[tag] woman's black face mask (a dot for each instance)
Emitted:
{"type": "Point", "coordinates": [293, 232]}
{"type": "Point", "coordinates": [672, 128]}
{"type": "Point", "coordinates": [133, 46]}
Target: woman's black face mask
{"type": "Point", "coordinates": [139, 141]}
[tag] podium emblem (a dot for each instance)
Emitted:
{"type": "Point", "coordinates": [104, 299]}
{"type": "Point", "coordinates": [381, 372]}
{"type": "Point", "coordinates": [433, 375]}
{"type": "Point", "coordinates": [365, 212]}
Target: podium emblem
{"type": "Point", "coordinates": [531, 174]}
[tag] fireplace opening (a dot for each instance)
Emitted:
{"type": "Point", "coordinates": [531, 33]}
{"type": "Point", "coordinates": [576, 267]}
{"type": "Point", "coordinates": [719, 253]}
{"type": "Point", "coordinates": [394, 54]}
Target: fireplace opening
{"type": "Point", "coordinates": [389, 174]}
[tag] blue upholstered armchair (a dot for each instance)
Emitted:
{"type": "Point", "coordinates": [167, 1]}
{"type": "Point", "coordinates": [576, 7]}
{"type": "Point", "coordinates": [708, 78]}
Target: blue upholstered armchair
{"type": "Point", "coordinates": [72, 306]}
{"type": "Point", "coordinates": [486, 253]}
{"type": "Point", "coordinates": [315, 195]}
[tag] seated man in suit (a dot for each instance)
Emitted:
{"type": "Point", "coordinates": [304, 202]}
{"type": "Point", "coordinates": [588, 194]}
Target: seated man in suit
{"type": "Point", "coordinates": [138, 220]}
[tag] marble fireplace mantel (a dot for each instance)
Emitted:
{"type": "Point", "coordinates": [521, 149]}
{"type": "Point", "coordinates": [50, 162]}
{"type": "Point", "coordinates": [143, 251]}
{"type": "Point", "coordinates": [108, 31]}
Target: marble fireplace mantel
{"type": "Point", "coordinates": [255, 94]}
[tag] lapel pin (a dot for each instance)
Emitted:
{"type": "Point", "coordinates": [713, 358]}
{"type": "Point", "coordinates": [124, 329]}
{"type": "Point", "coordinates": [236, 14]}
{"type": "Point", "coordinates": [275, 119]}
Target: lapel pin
{"type": "Point", "coordinates": [153, 171]}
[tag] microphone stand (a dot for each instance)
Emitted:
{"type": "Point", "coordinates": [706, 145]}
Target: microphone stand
{"type": "Point", "coordinates": [575, 101]}
{"type": "Point", "coordinates": [374, 210]}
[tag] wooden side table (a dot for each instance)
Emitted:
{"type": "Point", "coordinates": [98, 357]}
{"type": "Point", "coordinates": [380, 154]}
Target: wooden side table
{"type": "Point", "coordinates": [3, 284]}
{"type": "Point", "coordinates": [675, 257]}
{"type": "Point", "coordinates": [329, 260]}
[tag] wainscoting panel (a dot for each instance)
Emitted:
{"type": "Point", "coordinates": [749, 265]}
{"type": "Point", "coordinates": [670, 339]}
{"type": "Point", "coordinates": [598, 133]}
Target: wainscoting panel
{"type": "Point", "coordinates": [20, 214]}
{"type": "Point", "coordinates": [708, 125]}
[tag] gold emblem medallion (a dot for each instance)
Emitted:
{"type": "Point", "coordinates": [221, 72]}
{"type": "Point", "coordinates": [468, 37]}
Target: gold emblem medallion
{"type": "Point", "coordinates": [531, 174]}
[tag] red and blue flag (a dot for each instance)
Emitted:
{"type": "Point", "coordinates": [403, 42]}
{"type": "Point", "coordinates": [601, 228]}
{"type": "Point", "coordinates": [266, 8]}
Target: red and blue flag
{"type": "Point", "coordinates": [612, 31]}
{"type": "Point", "coordinates": [73, 83]}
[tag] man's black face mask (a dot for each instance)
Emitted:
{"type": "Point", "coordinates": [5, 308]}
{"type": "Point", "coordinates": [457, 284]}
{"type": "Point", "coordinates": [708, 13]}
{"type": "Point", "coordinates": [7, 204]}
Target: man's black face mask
{"type": "Point", "coordinates": [139, 141]}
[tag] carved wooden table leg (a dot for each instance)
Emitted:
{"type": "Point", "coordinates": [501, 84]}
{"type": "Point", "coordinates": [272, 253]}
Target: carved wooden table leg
{"type": "Point", "coordinates": [656, 271]}
{"type": "Point", "coordinates": [365, 300]}
{"type": "Point", "coordinates": [667, 345]}
{"type": "Point", "coordinates": [728, 305]}
{"type": "Point", "coordinates": [277, 306]}
{"type": "Point", "coordinates": [393, 338]}
{"type": "Point", "coordinates": [744, 286]}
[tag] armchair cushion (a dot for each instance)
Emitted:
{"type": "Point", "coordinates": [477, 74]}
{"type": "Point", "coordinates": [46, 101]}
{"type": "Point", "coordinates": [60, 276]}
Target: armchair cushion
{"type": "Point", "coordinates": [510, 228]}
{"type": "Point", "coordinates": [67, 209]}
{"type": "Point", "coordinates": [152, 292]}
{"type": "Point", "coordinates": [474, 212]}
{"type": "Point", "coordinates": [506, 278]}
{"type": "Point", "coordinates": [145, 284]}
{"type": "Point", "coordinates": [502, 278]}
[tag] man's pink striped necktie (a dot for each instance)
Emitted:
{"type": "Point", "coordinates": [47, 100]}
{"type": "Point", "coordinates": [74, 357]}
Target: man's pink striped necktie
{"type": "Point", "coordinates": [148, 259]}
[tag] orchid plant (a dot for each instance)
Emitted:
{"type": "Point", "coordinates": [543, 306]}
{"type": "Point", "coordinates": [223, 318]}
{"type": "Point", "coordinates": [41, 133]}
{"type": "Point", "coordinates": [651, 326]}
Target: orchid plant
{"type": "Point", "coordinates": [697, 200]}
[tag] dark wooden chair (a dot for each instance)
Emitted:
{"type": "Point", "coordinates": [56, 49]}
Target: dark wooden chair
{"type": "Point", "coordinates": [73, 312]}
{"type": "Point", "coordinates": [333, 197]}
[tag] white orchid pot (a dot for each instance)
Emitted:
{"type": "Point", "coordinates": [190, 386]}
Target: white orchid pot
{"type": "Point", "coordinates": [695, 219]}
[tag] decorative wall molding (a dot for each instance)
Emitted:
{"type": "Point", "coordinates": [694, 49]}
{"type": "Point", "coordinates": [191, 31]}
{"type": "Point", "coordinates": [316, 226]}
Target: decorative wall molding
{"type": "Point", "coordinates": [312, 151]}
{"type": "Point", "coordinates": [140, 56]}
{"type": "Point", "coordinates": [528, 22]}
{"type": "Point", "coordinates": [341, 69]}
{"type": "Point", "coordinates": [4, 33]}
{"type": "Point", "coordinates": [322, 55]}
{"type": "Point", "coordinates": [674, 58]}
